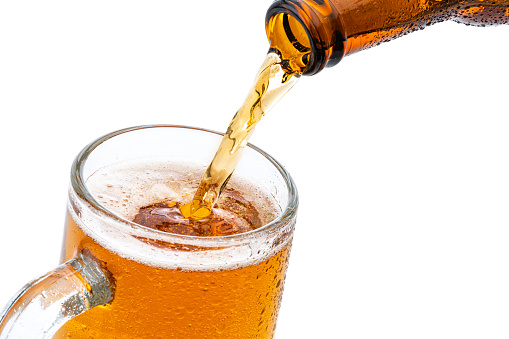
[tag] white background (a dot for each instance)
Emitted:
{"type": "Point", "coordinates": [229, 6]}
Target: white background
{"type": "Point", "coordinates": [400, 153]}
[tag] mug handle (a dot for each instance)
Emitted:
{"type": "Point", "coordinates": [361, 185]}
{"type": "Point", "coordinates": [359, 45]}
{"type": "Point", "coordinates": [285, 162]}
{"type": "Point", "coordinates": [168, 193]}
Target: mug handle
{"type": "Point", "coordinates": [45, 304]}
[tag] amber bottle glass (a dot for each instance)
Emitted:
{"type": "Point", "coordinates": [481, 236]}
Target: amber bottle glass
{"type": "Point", "coordinates": [313, 34]}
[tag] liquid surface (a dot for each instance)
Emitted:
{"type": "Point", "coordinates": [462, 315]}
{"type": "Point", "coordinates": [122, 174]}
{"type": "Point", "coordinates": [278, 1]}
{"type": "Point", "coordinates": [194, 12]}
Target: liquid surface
{"type": "Point", "coordinates": [155, 194]}
{"type": "Point", "coordinates": [235, 215]}
{"type": "Point", "coordinates": [273, 81]}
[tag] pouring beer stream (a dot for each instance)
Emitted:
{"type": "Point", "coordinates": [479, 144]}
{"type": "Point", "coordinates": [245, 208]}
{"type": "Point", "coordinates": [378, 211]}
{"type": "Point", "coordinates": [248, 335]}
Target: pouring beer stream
{"type": "Point", "coordinates": [274, 79]}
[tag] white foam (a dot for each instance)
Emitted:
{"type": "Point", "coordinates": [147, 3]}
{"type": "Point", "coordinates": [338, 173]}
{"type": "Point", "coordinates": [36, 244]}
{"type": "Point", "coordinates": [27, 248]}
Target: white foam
{"type": "Point", "coordinates": [125, 187]}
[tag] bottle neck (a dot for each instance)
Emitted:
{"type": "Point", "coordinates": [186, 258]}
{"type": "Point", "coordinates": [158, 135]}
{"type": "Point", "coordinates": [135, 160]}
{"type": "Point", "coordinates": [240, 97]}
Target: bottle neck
{"type": "Point", "coordinates": [310, 35]}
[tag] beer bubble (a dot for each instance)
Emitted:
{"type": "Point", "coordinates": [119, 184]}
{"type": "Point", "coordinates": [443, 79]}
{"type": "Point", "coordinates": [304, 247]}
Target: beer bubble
{"type": "Point", "coordinates": [220, 327]}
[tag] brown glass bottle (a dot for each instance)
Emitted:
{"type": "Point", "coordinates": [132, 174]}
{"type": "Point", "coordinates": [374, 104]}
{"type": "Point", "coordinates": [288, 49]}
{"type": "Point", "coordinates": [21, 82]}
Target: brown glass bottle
{"type": "Point", "coordinates": [313, 34]}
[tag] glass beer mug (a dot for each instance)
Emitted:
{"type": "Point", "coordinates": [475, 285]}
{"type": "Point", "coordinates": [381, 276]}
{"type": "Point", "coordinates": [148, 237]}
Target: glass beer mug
{"type": "Point", "coordinates": [123, 280]}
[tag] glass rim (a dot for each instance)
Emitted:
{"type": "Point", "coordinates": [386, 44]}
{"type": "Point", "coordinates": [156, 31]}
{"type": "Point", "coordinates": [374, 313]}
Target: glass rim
{"type": "Point", "coordinates": [80, 188]}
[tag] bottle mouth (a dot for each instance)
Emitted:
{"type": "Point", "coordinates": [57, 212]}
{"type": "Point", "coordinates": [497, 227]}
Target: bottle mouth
{"type": "Point", "coordinates": [289, 37]}
{"type": "Point", "coordinates": [306, 34]}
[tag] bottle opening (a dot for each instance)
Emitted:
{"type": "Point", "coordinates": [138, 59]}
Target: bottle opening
{"type": "Point", "coordinates": [288, 36]}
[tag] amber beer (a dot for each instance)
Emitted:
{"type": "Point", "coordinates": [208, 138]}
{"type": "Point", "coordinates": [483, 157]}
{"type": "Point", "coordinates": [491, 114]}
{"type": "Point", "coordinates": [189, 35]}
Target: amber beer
{"type": "Point", "coordinates": [178, 285]}
{"type": "Point", "coordinates": [158, 302]}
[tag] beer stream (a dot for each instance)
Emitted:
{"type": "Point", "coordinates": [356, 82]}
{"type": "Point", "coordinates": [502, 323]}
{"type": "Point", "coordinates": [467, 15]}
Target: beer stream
{"type": "Point", "coordinates": [274, 79]}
